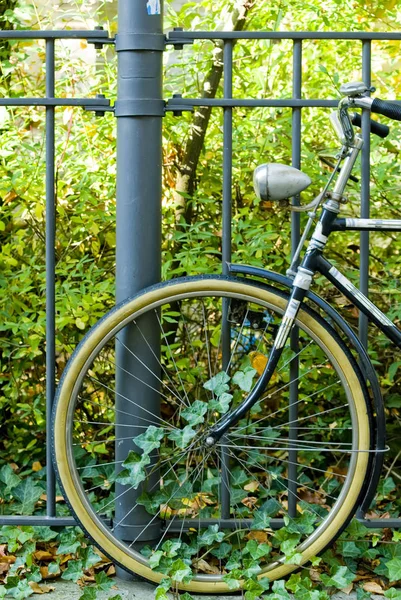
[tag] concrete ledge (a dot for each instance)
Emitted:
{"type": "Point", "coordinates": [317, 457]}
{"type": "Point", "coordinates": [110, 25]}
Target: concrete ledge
{"type": "Point", "coordinates": [139, 590]}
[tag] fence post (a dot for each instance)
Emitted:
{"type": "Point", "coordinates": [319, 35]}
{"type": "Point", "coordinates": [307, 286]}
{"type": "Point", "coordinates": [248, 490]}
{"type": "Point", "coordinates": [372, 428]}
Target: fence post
{"type": "Point", "coordinates": [139, 110]}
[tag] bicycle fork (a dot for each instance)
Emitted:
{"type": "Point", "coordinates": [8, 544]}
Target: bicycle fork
{"type": "Point", "coordinates": [301, 285]}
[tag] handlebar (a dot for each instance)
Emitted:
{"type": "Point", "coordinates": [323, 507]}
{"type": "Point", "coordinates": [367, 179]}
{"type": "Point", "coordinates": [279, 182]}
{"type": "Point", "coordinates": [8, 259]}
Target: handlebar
{"type": "Point", "coordinates": [387, 109]}
{"type": "Point", "coordinates": [375, 127]}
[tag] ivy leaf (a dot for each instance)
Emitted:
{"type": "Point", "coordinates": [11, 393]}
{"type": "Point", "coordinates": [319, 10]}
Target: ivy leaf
{"type": "Point", "coordinates": [212, 534]}
{"type": "Point", "coordinates": [244, 379]}
{"type": "Point", "coordinates": [134, 472]}
{"type": "Point", "coordinates": [222, 404]}
{"type": "Point", "coordinates": [339, 578]}
{"type": "Point", "coordinates": [28, 494]}
{"type": "Point", "coordinates": [194, 414]}
{"type": "Point", "coordinates": [171, 548]}
{"type": "Point", "coordinates": [69, 543]}
{"type": "Point", "coordinates": [394, 569]}
{"type": "Point", "coordinates": [257, 550]}
{"type": "Point", "coordinates": [150, 440]}
{"type": "Point", "coordinates": [155, 559]}
{"type": "Point", "coordinates": [74, 571]}
{"type": "Point", "coordinates": [18, 589]}
{"type": "Point", "coordinates": [89, 593]}
{"type": "Point", "coordinates": [103, 582]}
{"type": "Point", "coordinates": [393, 594]}
{"type": "Point", "coordinates": [232, 579]}
{"type": "Point", "coordinates": [180, 571]}
{"type": "Point", "coordinates": [8, 477]}
{"type": "Point", "coordinates": [304, 524]}
{"type": "Point", "coordinates": [43, 533]}
{"type": "Point", "coordinates": [89, 557]}
{"type": "Point", "coordinates": [222, 550]}
{"type": "Point", "coordinates": [182, 437]}
{"type": "Point", "coordinates": [218, 384]}
{"type": "Point", "coordinates": [261, 520]}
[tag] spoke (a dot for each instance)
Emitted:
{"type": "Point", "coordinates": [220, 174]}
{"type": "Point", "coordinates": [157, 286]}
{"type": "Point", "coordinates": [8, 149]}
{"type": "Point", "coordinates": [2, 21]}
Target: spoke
{"type": "Point", "coordinates": [172, 358]}
{"type": "Point", "coordinates": [300, 449]}
{"type": "Point", "coordinates": [116, 410]}
{"type": "Point", "coordinates": [237, 340]}
{"type": "Point", "coordinates": [132, 402]}
{"type": "Point", "coordinates": [139, 379]}
{"type": "Point", "coordinates": [177, 395]}
{"type": "Point", "coordinates": [270, 415]}
{"type": "Point", "coordinates": [287, 440]}
{"type": "Point", "coordinates": [207, 344]}
{"type": "Point", "coordinates": [116, 462]}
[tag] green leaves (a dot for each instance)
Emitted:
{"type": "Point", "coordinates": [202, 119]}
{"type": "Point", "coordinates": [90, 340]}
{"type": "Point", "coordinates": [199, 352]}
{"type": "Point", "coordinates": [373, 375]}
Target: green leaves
{"type": "Point", "coordinates": [182, 437]}
{"type": "Point", "coordinates": [28, 493]}
{"type": "Point", "coordinates": [195, 413]}
{"type": "Point", "coordinates": [394, 569]}
{"type": "Point", "coordinates": [150, 440]}
{"type": "Point", "coordinates": [244, 379]}
{"type": "Point", "coordinates": [340, 577]}
{"type": "Point", "coordinates": [134, 472]}
{"type": "Point", "coordinates": [211, 535]}
{"type": "Point", "coordinates": [218, 384]}
{"type": "Point", "coordinates": [69, 542]}
{"type": "Point", "coordinates": [74, 571]}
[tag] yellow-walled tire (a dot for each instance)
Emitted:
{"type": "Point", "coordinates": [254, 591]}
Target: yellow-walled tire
{"type": "Point", "coordinates": [68, 433]}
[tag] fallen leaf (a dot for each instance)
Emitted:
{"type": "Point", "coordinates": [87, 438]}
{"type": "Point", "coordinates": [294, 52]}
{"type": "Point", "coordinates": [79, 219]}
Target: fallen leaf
{"type": "Point", "coordinates": [347, 590]}
{"type": "Point", "coordinates": [58, 498]}
{"type": "Point", "coordinates": [372, 586]}
{"type": "Point", "coordinates": [2, 549]}
{"type": "Point", "coordinates": [36, 466]}
{"type": "Point", "coordinates": [205, 567]}
{"type": "Point", "coordinates": [259, 536]}
{"type": "Point", "coordinates": [43, 555]}
{"type": "Point", "coordinates": [44, 571]}
{"type": "Point", "coordinates": [111, 571]}
{"type": "Point", "coordinates": [41, 589]}
{"type": "Point", "coordinates": [251, 487]}
{"type": "Point", "coordinates": [314, 574]}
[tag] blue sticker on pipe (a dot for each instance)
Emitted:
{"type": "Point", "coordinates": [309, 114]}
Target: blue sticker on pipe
{"type": "Point", "coordinates": [153, 7]}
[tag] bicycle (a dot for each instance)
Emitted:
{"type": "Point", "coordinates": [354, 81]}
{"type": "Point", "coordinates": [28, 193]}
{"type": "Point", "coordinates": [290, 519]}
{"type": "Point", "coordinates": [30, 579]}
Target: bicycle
{"type": "Point", "coordinates": [270, 412]}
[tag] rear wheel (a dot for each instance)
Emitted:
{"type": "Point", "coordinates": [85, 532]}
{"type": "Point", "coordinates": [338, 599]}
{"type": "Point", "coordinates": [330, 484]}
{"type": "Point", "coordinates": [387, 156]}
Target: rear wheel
{"type": "Point", "coordinates": [134, 408]}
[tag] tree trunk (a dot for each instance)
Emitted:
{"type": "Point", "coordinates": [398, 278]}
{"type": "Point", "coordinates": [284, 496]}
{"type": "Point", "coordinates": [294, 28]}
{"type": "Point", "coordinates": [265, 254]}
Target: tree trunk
{"type": "Point", "coordinates": [186, 177]}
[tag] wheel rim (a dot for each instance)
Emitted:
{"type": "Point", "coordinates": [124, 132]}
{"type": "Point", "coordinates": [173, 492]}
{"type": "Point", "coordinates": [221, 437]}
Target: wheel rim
{"type": "Point", "coordinates": [256, 451]}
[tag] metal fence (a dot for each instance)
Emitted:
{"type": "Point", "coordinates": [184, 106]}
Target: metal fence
{"type": "Point", "coordinates": [139, 109]}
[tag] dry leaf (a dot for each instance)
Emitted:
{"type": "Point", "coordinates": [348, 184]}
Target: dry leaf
{"type": "Point", "coordinates": [205, 567]}
{"type": "Point", "coordinates": [251, 487]}
{"type": "Point", "coordinates": [259, 536]}
{"type": "Point", "coordinates": [347, 590]}
{"type": "Point", "coordinates": [111, 571]}
{"type": "Point", "coordinates": [43, 555]}
{"type": "Point", "coordinates": [58, 498]}
{"type": "Point", "coordinates": [44, 571]}
{"type": "Point", "coordinates": [36, 466]}
{"type": "Point", "coordinates": [374, 587]}
{"type": "Point", "coordinates": [314, 574]}
{"type": "Point", "coordinates": [41, 589]}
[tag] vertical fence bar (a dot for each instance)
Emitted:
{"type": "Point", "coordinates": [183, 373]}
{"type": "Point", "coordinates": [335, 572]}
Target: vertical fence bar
{"type": "Point", "coordinates": [295, 237]}
{"type": "Point", "coordinates": [226, 249]}
{"type": "Point", "coordinates": [50, 274]}
{"type": "Point", "coordinates": [139, 110]}
{"type": "Point", "coordinates": [365, 192]}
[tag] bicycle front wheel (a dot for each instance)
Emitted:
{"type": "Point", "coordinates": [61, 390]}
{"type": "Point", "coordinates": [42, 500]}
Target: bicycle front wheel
{"type": "Point", "coordinates": [133, 410]}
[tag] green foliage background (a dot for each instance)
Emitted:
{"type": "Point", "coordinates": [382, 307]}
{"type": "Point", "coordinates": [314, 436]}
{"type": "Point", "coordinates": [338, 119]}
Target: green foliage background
{"type": "Point", "coordinates": [85, 170]}
{"type": "Point", "coordinates": [85, 185]}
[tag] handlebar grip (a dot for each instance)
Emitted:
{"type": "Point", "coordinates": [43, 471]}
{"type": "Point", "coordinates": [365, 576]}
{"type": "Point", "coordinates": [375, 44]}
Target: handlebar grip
{"type": "Point", "coordinates": [375, 127]}
{"type": "Point", "coordinates": [387, 109]}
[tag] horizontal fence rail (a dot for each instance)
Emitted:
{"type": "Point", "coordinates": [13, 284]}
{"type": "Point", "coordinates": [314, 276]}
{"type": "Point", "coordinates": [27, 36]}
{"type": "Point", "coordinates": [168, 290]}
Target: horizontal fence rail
{"type": "Point", "coordinates": [178, 38]}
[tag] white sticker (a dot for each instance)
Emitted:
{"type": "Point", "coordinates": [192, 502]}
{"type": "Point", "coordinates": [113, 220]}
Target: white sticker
{"type": "Point", "coordinates": [153, 7]}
